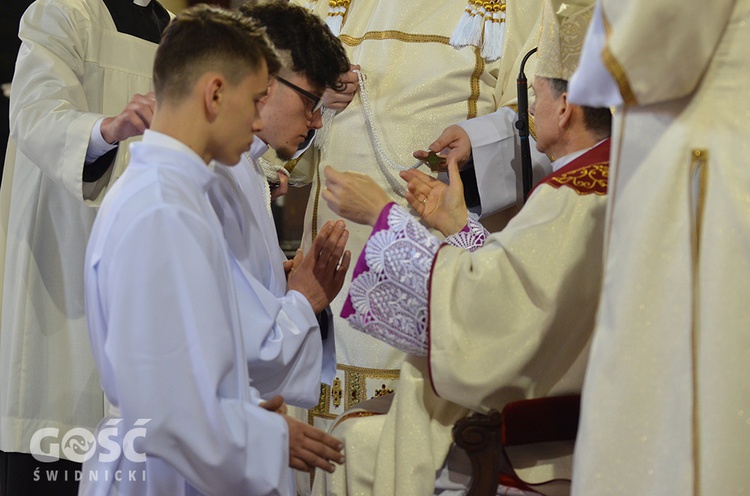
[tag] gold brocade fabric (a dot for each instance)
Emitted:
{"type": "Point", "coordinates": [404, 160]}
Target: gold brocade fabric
{"type": "Point", "coordinates": [564, 25]}
{"type": "Point", "coordinates": [351, 386]}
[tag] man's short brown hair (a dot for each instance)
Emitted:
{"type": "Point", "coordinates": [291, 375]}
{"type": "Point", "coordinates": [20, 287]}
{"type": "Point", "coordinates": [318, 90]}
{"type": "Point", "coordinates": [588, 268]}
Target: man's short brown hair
{"type": "Point", "coordinates": [205, 38]}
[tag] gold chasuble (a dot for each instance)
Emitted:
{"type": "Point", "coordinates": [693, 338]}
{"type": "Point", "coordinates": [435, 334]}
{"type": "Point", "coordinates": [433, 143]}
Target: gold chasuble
{"type": "Point", "coordinates": [417, 84]}
{"type": "Point", "coordinates": [666, 403]}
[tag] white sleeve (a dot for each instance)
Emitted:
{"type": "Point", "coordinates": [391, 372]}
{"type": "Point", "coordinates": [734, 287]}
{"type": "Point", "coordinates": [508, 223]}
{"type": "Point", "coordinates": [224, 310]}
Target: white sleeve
{"type": "Point", "coordinates": [49, 117]}
{"type": "Point", "coordinates": [284, 353]}
{"type": "Point", "coordinates": [496, 153]}
{"type": "Point", "coordinates": [175, 359]}
{"type": "Point", "coordinates": [284, 350]}
{"type": "Point", "coordinates": [98, 146]}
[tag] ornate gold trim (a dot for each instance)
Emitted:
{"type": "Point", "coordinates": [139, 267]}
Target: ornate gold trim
{"type": "Point", "coordinates": [323, 406]}
{"type": "Point", "coordinates": [355, 382]}
{"type": "Point", "coordinates": [591, 179]}
{"type": "Point", "coordinates": [291, 164]}
{"type": "Point", "coordinates": [316, 202]}
{"type": "Point", "coordinates": [427, 38]}
{"type": "Point", "coordinates": [618, 73]}
{"type": "Point", "coordinates": [337, 392]}
{"type": "Point", "coordinates": [614, 67]}
{"type": "Point", "coordinates": [355, 389]}
{"type": "Point", "coordinates": [353, 392]}
{"type": "Point", "coordinates": [475, 89]}
{"type": "Point", "coordinates": [394, 35]}
{"type": "Point", "coordinates": [375, 373]}
{"type": "Point", "coordinates": [360, 414]}
{"type": "Point", "coordinates": [699, 171]}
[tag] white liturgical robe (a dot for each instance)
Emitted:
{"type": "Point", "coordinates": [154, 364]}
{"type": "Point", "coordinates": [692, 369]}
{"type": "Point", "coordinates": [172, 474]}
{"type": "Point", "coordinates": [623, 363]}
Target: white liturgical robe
{"type": "Point", "coordinates": [73, 69]}
{"type": "Point", "coordinates": [165, 329]}
{"type": "Point", "coordinates": [285, 354]}
{"type": "Point", "coordinates": [666, 402]}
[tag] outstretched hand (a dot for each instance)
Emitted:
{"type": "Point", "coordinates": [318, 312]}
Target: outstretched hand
{"type": "Point", "coordinates": [441, 205]}
{"type": "Point", "coordinates": [354, 196]}
{"type": "Point", "coordinates": [457, 143]}
{"type": "Point", "coordinates": [319, 275]}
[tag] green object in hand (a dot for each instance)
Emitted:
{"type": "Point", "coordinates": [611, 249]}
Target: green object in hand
{"type": "Point", "coordinates": [435, 161]}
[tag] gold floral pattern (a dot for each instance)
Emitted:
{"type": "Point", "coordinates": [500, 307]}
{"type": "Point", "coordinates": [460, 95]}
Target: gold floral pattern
{"type": "Point", "coordinates": [590, 179]}
{"type": "Point", "coordinates": [336, 392]}
{"type": "Point", "coordinates": [383, 390]}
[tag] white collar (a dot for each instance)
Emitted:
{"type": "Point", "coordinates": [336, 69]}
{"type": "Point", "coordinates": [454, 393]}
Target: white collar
{"type": "Point", "coordinates": [157, 138]}
{"type": "Point", "coordinates": [142, 3]}
{"type": "Point", "coordinates": [563, 161]}
{"type": "Point", "coordinates": [258, 148]}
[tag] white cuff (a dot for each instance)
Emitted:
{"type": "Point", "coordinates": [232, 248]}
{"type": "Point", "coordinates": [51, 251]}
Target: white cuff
{"type": "Point", "coordinates": [98, 146]}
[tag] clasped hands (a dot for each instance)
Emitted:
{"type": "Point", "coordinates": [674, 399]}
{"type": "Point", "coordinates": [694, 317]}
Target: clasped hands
{"type": "Point", "coordinates": [319, 274]}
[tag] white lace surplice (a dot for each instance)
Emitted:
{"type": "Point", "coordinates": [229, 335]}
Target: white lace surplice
{"type": "Point", "coordinates": [389, 291]}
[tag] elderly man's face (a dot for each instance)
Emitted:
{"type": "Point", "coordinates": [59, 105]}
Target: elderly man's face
{"type": "Point", "coordinates": [546, 107]}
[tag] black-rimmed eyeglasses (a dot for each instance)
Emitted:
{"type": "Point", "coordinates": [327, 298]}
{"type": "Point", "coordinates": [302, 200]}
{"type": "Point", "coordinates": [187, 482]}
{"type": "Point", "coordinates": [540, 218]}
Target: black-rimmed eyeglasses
{"type": "Point", "coordinates": [316, 100]}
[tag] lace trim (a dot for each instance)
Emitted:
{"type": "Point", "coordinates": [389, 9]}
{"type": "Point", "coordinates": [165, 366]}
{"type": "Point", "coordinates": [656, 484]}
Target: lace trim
{"type": "Point", "coordinates": [390, 299]}
{"type": "Point", "coordinates": [471, 237]}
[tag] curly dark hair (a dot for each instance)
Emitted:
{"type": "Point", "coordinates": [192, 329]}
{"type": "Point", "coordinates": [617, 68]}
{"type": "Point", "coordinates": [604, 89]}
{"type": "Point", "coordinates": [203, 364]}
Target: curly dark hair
{"type": "Point", "coordinates": [315, 51]}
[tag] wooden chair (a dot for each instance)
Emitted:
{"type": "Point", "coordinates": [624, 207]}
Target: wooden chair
{"type": "Point", "coordinates": [485, 437]}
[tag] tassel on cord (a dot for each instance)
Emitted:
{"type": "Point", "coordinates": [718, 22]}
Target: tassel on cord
{"type": "Point", "coordinates": [469, 28]}
{"type": "Point", "coordinates": [336, 13]}
{"type": "Point", "coordinates": [482, 25]}
{"type": "Point", "coordinates": [323, 135]}
{"type": "Point", "coordinates": [476, 31]}
{"type": "Point", "coordinates": [460, 36]}
{"type": "Point", "coordinates": [494, 32]}
{"type": "Point", "coordinates": [310, 6]}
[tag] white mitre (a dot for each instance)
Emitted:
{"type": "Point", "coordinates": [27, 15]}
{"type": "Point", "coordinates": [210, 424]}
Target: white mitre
{"type": "Point", "coordinates": [564, 25]}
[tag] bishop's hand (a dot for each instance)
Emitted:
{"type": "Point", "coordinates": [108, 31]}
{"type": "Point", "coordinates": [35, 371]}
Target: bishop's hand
{"type": "Point", "coordinates": [441, 205]}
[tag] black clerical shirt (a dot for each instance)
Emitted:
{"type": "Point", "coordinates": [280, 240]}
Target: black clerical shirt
{"type": "Point", "coordinates": [146, 23]}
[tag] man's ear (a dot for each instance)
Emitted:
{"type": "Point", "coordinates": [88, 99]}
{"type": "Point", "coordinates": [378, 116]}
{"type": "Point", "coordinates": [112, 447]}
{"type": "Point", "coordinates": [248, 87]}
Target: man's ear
{"type": "Point", "coordinates": [565, 111]}
{"type": "Point", "coordinates": [213, 96]}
